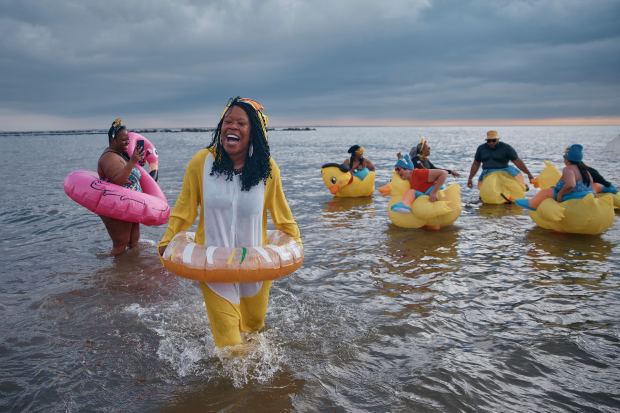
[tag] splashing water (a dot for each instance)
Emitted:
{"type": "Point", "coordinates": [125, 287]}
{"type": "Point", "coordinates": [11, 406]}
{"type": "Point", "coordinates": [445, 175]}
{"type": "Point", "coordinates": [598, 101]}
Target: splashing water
{"type": "Point", "coordinates": [256, 360]}
{"type": "Point", "coordinates": [187, 346]}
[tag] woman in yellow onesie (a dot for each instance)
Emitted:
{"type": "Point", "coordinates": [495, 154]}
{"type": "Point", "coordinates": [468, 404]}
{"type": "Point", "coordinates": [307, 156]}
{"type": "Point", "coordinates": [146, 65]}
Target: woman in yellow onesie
{"type": "Point", "coordinates": [235, 182]}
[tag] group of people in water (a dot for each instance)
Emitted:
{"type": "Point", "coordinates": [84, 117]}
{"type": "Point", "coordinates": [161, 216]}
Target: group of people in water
{"type": "Point", "coordinates": [232, 183]}
{"type": "Point", "coordinates": [423, 176]}
{"type": "Point", "coordinates": [493, 155]}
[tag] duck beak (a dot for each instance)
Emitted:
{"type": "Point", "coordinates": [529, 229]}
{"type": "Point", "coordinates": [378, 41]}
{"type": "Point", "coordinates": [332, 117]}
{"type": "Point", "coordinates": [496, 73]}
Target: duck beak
{"type": "Point", "coordinates": [385, 190]}
{"type": "Point", "coordinates": [334, 189]}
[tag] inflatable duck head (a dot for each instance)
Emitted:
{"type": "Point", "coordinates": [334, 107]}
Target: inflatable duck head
{"type": "Point", "coordinates": [342, 183]}
{"type": "Point", "coordinates": [548, 177]}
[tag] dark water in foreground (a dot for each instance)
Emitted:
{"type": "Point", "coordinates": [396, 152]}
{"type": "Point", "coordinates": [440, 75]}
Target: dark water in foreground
{"type": "Point", "coordinates": [492, 314]}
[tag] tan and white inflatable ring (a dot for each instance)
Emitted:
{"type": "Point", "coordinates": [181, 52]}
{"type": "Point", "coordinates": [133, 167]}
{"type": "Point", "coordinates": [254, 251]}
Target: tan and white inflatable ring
{"type": "Point", "coordinates": [281, 256]}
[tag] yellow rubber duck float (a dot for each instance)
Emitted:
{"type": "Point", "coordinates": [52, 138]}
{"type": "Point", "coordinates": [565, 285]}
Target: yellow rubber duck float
{"type": "Point", "coordinates": [588, 215]}
{"type": "Point", "coordinates": [615, 197]}
{"type": "Point", "coordinates": [424, 213]}
{"type": "Point", "coordinates": [341, 182]}
{"type": "Point", "coordinates": [500, 187]}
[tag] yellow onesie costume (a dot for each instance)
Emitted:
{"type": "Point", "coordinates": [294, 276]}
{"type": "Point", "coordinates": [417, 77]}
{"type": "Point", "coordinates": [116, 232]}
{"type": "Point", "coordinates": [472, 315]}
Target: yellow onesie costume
{"type": "Point", "coordinates": [232, 218]}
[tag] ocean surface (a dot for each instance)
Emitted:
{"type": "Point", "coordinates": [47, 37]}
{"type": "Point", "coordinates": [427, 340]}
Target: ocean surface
{"type": "Point", "coordinates": [492, 314]}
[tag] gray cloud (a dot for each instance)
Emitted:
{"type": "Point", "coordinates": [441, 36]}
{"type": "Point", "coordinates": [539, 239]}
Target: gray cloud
{"type": "Point", "coordinates": [162, 62]}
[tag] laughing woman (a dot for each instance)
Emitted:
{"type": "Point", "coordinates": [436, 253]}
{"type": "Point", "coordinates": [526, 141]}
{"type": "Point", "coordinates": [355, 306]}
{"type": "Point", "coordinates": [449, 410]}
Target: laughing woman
{"type": "Point", "coordinates": [231, 185]}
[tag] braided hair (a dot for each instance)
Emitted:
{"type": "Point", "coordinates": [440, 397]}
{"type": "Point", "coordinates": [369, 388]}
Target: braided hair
{"type": "Point", "coordinates": [257, 167]}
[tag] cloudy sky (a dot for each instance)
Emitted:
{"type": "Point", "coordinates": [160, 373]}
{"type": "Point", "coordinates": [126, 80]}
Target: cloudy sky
{"type": "Point", "coordinates": [71, 64]}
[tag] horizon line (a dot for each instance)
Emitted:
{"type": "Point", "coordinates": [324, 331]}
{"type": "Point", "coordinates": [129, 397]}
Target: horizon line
{"type": "Point", "coordinates": [567, 121]}
{"type": "Point", "coordinates": [354, 122]}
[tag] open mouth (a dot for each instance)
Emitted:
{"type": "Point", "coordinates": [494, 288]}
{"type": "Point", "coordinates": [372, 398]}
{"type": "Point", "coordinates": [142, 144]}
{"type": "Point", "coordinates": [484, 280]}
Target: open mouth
{"type": "Point", "coordinates": [232, 138]}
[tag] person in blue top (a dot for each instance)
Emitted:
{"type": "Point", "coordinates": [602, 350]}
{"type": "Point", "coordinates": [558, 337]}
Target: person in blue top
{"type": "Point", "coordinates": [494, 155]}
{"type": "Point", "coordinates": [575, 183]}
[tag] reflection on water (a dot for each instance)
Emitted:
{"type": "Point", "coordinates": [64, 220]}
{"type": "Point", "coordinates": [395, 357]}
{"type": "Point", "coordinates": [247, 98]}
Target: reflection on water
{"type": "Point", "coordinates": [420, 248]}
{"type": "Point", "coordinates": [413, 259]}
{"type": "Point", "coordinates": [348, 212]}
{"type": "Point", "coordinates": [498, 211]}
{"type": "Point", "coordinates": [570, 246]}
{"type": "Point", "coordinates": [272, 397]}
{"type": "Point", "coordinates": [568, 257]}
{"type": "Point", "coordinates": [338, 204]}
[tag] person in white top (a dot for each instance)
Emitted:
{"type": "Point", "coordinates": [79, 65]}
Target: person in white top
{"type": "Point", "coordinates": [234, 182]}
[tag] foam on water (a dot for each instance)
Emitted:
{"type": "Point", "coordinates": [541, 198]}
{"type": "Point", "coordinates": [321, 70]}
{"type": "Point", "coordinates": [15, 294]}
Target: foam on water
{"type": "Point", "coordinates": [187, 346]}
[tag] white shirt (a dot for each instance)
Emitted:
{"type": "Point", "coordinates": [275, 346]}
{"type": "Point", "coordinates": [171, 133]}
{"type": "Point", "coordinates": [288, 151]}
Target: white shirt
{"type": "Point", "coordinates": [232, 218]}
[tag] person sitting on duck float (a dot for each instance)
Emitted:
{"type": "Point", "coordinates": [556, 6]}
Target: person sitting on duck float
{"type": "Point", "coordinates": [494, 157]}
{"type": "Point", "coordinates": [419, 155]}
{"type": "Point", "coordinates": [357, 163]}
{"type": "Point", "coordinates": [575, 183]}
{"type": "Point", "coordinates": [600, 184]}
{"type": "Point", "coordinates": [425, 181]}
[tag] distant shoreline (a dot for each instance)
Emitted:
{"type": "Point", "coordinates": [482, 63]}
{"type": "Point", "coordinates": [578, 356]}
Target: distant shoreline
{"type": "Point", "coordinates": [142, 131]}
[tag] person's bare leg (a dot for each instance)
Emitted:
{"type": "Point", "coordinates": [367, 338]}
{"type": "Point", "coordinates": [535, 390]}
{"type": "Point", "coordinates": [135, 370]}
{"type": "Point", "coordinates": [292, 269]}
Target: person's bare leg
{"type": "Point", "coordinates": [134, 236]}
{"type": "Point", "coordinates": [597, 188]}
{"type": "Point", "coordinates": [119, 232]}
{"type": "Point", "coordinates": [543, 194]}
{"type": "Point", "coordinates": [409, 197]}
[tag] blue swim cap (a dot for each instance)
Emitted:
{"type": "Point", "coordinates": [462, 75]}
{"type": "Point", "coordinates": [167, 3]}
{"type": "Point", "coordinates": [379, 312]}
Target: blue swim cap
{"type": "Point", "coordinates": [404, 162]}
{"type": "Point", "coordinates": [574, 153]}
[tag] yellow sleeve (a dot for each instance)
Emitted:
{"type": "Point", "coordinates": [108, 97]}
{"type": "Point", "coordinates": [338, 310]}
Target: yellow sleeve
{"type": "Point", "coordinates": [276, 204]}
{"type": "Point", "coordinates": [190, 198]}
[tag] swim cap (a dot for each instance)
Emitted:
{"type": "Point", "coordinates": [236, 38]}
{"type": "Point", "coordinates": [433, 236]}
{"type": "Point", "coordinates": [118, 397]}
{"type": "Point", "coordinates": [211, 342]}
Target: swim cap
{"type": "Point", "coordinates": [574, 153]}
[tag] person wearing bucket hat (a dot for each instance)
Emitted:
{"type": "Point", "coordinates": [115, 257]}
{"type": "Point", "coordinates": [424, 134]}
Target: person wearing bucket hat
{"type": "Point", "coordinates": [357, 161]}
{"type": "Point", "coordinates": [420, 154]}
{"type": "Point", "coordinates": [575, 183]}
{"type": "Point", "coordinates": [117, 167]}
{"type": "Point", "coordinates": [230, 186]}
{"type": "Point", "coordinates": [495, 155]}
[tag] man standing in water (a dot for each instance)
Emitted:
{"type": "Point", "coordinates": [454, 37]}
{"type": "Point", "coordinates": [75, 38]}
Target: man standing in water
{"type": "Point", "coordinates": [495, 155]}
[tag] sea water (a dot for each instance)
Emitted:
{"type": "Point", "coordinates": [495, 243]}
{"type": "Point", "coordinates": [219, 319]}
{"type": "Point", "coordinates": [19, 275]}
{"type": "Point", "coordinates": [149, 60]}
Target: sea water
{"type": "Point", "coordinates": [491, 314]}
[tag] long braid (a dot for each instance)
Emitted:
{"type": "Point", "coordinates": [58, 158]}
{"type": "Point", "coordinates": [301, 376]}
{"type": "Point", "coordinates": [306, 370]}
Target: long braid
{"type": "Point", "coordinates": [583, 169]}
